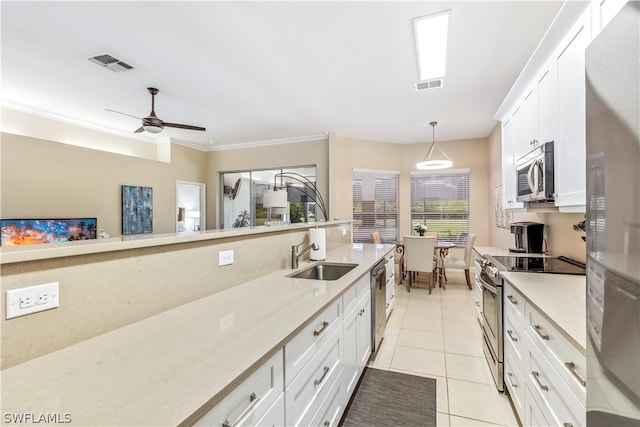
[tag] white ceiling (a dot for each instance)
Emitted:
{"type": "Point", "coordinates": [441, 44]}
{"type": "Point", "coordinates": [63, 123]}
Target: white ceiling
{"type": "Point", "coordinates": [264, 71]}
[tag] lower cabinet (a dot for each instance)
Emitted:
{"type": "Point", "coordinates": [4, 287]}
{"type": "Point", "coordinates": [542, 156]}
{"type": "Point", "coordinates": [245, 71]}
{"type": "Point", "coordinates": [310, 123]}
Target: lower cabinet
{"type": "Point", "coordinates": [543, 370]}
{"type": "Point", "coordinates": [311, 379]}
{"type": "Point", "coordinates": [253, 400]}
{"type": "Point", "coordinates": [308, 390]}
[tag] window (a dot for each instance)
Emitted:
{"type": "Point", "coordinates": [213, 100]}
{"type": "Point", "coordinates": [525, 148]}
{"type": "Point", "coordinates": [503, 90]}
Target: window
{"type": "Point", "coordinates": [375, 205]}
{"type": "Point", "coordinates": [441, 201]}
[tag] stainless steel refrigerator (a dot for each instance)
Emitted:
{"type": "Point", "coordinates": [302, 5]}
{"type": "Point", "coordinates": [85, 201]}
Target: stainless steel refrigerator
{"type": "Point", "coordinates": [613, 222]}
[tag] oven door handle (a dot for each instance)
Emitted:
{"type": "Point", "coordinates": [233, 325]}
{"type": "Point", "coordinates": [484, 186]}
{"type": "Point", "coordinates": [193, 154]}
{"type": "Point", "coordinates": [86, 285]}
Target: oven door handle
{"type": "Point", "coordinates": [489, 287]}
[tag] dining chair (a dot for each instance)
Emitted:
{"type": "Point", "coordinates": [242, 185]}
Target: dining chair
{"type": "Point", "coordinates": [419, 257]}
{"type": "Point", "coordinates": [464, 262]}
{"type": "Point", "coordinates": [375, 236]}
{"type": "Point", "coordinates": [433, 234]}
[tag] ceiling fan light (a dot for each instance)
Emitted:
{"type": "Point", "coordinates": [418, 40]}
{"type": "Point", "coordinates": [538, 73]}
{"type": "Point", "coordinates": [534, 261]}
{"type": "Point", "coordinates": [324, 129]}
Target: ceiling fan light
{"type": "Point", "coordinates": [152, 128]}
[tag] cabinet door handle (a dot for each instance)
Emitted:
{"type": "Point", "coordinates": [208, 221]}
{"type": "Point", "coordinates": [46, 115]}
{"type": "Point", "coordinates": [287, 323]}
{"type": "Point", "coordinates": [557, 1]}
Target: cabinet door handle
{"type": "Point", "coordinates": [572, 368]}
{"type": "Point", "coordinates": [538, 330]}
{"type": "Point", "coordinates": [327, 423]}
{"type": "Point", "coordinates": [510, 375]}
{"type": "Point", "coordinates": [321, 330]}
{"type": "Point", "coordinates": [510, 333]}
{"type": "Point", "coordinates": [319, 380]}
{"type": "Point", "coordinates": [253, 401]}
{"type": "Point", "coordinates": [512, 300]}
{"type": "Point", "coordinates": [536, 376]}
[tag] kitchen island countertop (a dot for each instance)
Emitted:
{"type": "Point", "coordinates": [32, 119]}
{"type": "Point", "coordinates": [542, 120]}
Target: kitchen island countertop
{"type": "Point", "coordinates": [164, 369]}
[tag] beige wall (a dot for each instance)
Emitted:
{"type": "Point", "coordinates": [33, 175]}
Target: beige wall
{"type": "Point", "coordinates": [42, 179]}
{"type": "Point", "coordinates": [102, 292]}
{"type": "Point", "coordinates": [561, 237]}
{"type": "Point", "coordinates": [348, 154]}
{"type": "Point", "coordinates": [267, 157]}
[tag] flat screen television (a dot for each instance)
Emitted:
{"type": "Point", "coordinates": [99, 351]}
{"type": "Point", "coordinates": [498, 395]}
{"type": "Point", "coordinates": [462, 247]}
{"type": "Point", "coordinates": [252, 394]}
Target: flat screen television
{"type": "Point", "coordinates": [18, 232]}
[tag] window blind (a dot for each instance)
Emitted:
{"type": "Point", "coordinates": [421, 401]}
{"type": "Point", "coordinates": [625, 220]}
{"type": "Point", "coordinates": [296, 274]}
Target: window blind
{"type": "Point", "coordinates": [441, 201]}
{"type": "Point", "coordinates": [375, 205]}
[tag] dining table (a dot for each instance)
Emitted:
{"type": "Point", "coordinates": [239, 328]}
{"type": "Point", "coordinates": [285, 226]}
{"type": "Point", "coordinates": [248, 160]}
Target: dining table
{"type": "Point", "coordinates": [441, 249]}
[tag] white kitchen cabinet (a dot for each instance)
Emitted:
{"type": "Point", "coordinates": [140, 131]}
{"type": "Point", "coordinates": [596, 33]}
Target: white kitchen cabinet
{"type": "Point", "coordinates": [306, 343]}
{"type": "Point", "coordinates": [509, 201]}
{"type": "Point", "coordinates": [332, 408]}
{"type": "Point", "coordinates": [543, 369]}
{"type": "Point", "coordinates": [250, 401]}
{"type": "Point", "coordinates": [357, 338]}
{"type": "Point", "coordinates": [305, 394]}
{"type": "Point", "coordinates": [547, 105]}
{"type": "Point", "coordinates": [531, 123]}
{"type": "Point", "coordinates": [570, 146]}
{"type": "Point", "coordinates": [391, 284]}
{"type": "Point", "coordinates": [603, 12]}
{"type": "Point", "coordinates": [274, 416]}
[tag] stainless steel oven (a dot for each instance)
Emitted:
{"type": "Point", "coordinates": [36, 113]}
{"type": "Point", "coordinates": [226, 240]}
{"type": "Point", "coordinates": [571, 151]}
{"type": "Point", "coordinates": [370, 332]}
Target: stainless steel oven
{"type": "Point", "coordinates": [492, 345]}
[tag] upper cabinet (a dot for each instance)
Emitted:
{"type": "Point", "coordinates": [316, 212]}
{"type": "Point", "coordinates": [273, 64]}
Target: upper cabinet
{"type": "Point", "coordinates": [547, 103]}
{"type": "Point", "coordinates": [570, 148]}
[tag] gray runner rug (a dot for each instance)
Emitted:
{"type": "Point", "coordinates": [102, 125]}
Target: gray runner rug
{"type": "Point", "coordinates": [392, 399]}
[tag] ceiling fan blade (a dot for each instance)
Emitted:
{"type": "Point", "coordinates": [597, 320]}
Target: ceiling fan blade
{"type": "Point", "coordinates": [139, 130]}
{"type": "Point", "coordinates": [177, 125]}
{"type": "Point", "coordinates": [124, 114]}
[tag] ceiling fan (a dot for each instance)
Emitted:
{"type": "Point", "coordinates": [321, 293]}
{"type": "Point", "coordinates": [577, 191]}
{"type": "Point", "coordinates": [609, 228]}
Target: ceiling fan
{"type": "Point", "coordinates": [152, 123]}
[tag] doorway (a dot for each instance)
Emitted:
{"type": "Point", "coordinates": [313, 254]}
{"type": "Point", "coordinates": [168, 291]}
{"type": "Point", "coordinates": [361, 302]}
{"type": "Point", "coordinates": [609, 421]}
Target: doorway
{"type": "Point", "coordinates": [190, 206]}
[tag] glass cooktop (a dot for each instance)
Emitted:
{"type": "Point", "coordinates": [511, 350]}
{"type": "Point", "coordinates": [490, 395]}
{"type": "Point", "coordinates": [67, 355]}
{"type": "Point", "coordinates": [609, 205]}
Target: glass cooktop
{"type": "Point", "coordinates": [559, 265]}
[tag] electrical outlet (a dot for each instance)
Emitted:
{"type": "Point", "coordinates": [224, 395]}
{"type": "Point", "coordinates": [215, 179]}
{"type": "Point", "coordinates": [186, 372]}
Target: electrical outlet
{"type": "Point", "coordinates": [32, 299]}
{"type": "Point", "coordinates": [225, 258]}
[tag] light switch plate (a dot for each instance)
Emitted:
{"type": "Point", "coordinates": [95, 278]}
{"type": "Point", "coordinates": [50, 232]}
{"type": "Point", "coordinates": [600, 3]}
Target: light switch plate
{"type": "Point", "coordinates": [32, 299]}
{"type": "Point", "coordinates": [225, 258]}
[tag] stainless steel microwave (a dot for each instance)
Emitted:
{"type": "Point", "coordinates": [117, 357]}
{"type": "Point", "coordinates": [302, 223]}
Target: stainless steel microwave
{"type": "Point", "coordinates": [534, 175]}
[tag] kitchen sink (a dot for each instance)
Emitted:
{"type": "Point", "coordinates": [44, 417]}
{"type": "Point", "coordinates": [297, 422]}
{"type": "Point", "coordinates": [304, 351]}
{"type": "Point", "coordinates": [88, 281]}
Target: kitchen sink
{"type": "Point", "coordinates": [324, 271]}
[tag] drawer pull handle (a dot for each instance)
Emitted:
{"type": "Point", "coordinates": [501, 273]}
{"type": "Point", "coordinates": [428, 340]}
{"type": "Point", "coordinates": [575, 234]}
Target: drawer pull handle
{"type": "Point", "coordinates": [393, 296]}
{"type": "Point", "coordinates": [512, 300]}
{"type": "Point", "coordinates": [324, 374]}
{"type": "Point", "coordinates": [477, 304]}
{"type": "Point", "coordinates": [572, 368]}
{"type": "Point", "coordinates": [253, 401]}
{"type": "Point", "coordinates": [318, 332]}
{"type": "Point", "coordinates": [510, 333]}
{"type": "Point", "coordinates": [538, 330]}
{"type": "Point", "coordinates": [387, 306]}
{"type": "Point", "coordinates": [567, 425]}
{"type": "Point", "coordinates": [536, 376]}
{"type": "Point", "coordinates": [510, 375]}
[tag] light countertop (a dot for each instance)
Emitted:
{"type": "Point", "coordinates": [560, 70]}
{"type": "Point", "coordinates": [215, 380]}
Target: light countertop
{"type": "Point", "coordinates": [135, 241]}
{"type": "Point", "coordinates": [561, 298]}
{"type": "Point", "coordinates": [161, 370]}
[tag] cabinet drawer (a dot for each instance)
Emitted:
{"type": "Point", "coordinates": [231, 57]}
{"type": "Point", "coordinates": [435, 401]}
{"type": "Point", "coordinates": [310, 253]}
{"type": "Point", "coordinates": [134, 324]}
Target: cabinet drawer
{"type": "Point", "coordinates": [515, 340]}
{"type": "Point", "coordinates": [332, 407]}
{"type": "Point", "coordinates": [514, 300]}
{"type": "Point", "coordinates": [308, 390]}
{"type": "Point", "coordinates": [306, 343]}
{"type": "Point", "coordinates": [551, 391]}
{"type": "Point", "coordinates": [567, 360]}
{"type": "Point", "coordinates": [274, 416]}
{"type": "Point", "coordinates": [252, 399]}
{"type": "Point", "coordinates": [514, 381]}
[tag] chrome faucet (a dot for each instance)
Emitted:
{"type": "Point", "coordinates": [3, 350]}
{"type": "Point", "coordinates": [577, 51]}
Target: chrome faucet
{"type": "Point", "coordinates": [295, 255]}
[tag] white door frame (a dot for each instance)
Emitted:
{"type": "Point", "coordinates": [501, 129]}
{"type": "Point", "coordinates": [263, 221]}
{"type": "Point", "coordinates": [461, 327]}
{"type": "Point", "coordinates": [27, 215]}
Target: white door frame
{"type": "Point", "coordinates": [202, 202]}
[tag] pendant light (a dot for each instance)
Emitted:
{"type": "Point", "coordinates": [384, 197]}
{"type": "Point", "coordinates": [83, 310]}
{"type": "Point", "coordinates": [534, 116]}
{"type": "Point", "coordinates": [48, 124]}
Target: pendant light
{"type": "Point", "coordinates": [429, 163]}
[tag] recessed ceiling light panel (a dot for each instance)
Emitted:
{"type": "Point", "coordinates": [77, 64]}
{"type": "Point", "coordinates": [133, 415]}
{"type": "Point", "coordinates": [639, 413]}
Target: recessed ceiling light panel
{"type": "Point", "coordinates": [431, 33]}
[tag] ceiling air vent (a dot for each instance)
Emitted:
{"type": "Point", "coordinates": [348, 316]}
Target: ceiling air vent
{"type": "Point", "coordinates": [430, 84]}
{"type": "Point", "coordinates": [111, 62]}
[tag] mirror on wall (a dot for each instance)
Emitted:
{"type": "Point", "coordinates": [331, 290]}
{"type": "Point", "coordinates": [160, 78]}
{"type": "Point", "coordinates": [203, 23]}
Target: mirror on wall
{"type": "Point", "coordinates": [242, 197]}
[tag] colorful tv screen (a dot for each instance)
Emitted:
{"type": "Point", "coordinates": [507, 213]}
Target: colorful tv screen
{"type": "Point", "coordinates": [18, 232]}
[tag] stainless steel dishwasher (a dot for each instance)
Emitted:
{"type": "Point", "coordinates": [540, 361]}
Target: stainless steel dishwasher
{"type": "Point", "coordinates": [378, 303]}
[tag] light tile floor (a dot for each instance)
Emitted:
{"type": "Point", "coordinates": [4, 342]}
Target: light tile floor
{"type": "Point", "coordinates": [438, 336]}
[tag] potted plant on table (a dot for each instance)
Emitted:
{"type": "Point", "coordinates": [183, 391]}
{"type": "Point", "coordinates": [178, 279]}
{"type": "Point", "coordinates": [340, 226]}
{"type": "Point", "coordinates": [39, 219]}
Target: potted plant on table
{"type": "Point", "coordinates": [420, 229]}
